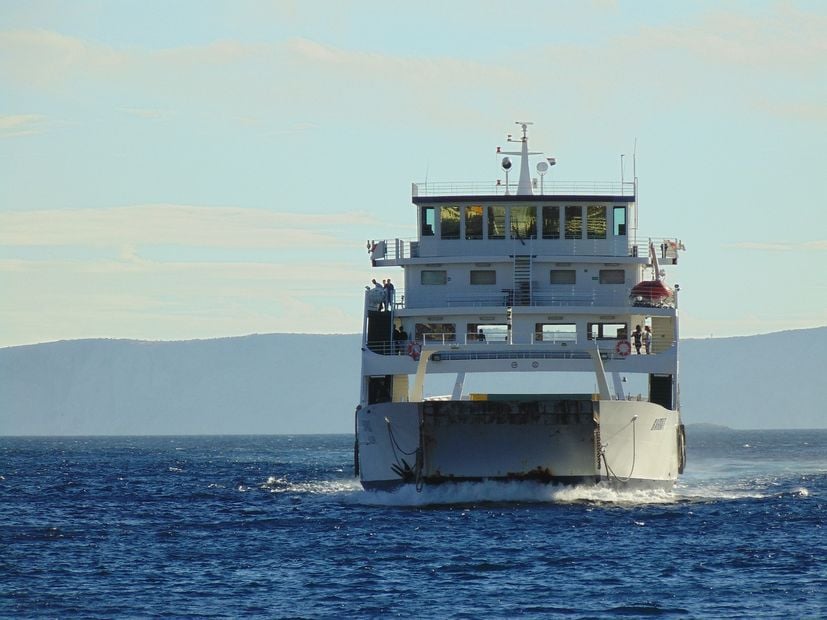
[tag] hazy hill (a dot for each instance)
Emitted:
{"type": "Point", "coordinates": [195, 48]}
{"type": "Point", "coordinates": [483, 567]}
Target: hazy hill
{"type": "Point", "coordinates": [275, 383]}
{"type": "Point", "coordinates": [302, 383]}
{"type": "Point", "coordinates": [766, 381]}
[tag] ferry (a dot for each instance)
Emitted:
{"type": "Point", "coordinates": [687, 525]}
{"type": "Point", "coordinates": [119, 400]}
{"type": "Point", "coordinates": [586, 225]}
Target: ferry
{"type": "Point", "coordinates": [546, 314]}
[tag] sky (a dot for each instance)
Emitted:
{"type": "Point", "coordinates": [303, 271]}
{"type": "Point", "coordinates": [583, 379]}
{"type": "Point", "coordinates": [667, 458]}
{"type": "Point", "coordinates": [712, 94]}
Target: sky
{"type": "Point", "coordinates": [200, 169]}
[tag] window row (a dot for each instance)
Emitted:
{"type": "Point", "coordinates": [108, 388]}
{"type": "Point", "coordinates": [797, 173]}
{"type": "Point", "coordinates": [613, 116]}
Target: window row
{"type": "Point", "coordinates": [515, 222]}
{"type": "Point", "coordinates": [437, 277]}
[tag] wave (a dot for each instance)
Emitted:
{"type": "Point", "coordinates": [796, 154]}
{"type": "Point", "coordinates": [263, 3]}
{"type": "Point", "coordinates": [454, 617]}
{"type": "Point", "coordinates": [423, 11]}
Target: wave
{"type": "Point", "coordinates": [275, 484]}
{"type": "Point", "coordinates": [508, 492]}
{"type": "Point", "coordinates": [350, 491]}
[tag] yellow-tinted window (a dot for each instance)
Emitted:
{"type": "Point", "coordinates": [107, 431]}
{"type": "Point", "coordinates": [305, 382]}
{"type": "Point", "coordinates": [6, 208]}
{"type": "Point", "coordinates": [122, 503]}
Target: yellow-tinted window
{"type": "Point", "coordinates": [449, 222]}
{"type": "Point", "coordinates": [496, 222]}
{"type": "Point", "coordinates": [574, 222]}
{"type": "Point", "coordinates": [523, 222]}
{"type": "Point", "coordinates": [473, 222]}
{"type": "Point", "coordinates": [596, 222]}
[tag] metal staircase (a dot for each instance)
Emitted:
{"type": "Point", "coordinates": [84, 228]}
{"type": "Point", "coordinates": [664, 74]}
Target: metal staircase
{"type": "Point", "coordinates": [522, 280]}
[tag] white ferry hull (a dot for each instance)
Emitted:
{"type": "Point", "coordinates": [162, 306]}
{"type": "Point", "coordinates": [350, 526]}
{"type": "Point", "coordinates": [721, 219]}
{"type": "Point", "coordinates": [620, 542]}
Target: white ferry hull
{"type": "Point", "coordinates": [631, 444]}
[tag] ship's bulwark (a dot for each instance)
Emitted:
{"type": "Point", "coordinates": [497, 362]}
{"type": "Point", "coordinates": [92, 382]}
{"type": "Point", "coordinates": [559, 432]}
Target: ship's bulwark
{"type": "Point", "coordinates": [532, 440]}
{"type": "Point", "coordinates": [546, 439]}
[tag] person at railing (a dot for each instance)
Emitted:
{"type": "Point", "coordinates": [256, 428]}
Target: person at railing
{"type": "Point", "coordinates": [389, 293]}
{"type": "Point", "coordinates": [480, 336]}
{"type": "Point", "coordinates": [397, 340]}
{"type": "Point", "coordinates": [637, 335]}
{"type": "Point", "coordinates": [403, 339]}
{"type": "Point", "coordinates": [647, 339]}
{"type": "Point", "coordinates": [376, 295]}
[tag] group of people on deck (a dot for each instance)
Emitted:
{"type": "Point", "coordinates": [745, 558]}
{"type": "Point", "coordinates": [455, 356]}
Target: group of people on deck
{"type": "Point", "coordinates": [381, 296]}
{"type": "Point", "coordinates": [642, 338]}
{"type": "Point", "coordinates": [400, 340]}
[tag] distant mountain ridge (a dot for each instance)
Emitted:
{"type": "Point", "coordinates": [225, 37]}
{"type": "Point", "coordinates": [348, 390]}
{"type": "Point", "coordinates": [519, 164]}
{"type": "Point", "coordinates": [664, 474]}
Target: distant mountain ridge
{"type": "Point", "coordinates": [308, 383]}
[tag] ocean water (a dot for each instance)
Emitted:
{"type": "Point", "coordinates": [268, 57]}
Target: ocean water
{"type": "Point", "coordinates": [277, 527]}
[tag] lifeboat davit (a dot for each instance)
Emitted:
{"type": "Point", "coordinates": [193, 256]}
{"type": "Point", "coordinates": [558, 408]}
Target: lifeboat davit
{"type": "Point", "coordinates": [650, 291]}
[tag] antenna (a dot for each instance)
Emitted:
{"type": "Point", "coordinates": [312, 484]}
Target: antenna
{"type": "Point", "coordinates": [524, 125]}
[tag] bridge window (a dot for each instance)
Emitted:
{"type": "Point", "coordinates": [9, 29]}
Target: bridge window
{"type": "Point", "coordinates": [596, 222]}
{"type": "Point", "coordinates": [563, 276]}
{"type": "Point", "coordinates": [619, 221]}
{"type": "Point", "coordinates": [551, 222]}
{"type": "Point", "coordinates": [524, 222]}
{"type": "Point", "coordinates": [427, 222]}
{"type": "Point", "coordinates": [574, 222]}
{"type": "Point", "coordinates": [555, 332]}
{"type": "Point", "coordinates": [433, 277]}
{"type": "Point", "coordinates": [449, 222]}
{"type": "Point", "coordinates": [612, 276]}
{"type": "Point", "coordinates": [473, 222]}
{"type": "Point", "coordinates": [488, 276]}
{"type": "Point", "coordinates": [607, 331]}
{"type": "Point", "coordinates": [496, 222]}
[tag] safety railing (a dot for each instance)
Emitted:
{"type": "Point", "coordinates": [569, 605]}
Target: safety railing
{"type": "Point", "coordinates": [667, 248]}
{"type": "Point", "coordinates": [506, 298]}
{"type": "Point", "coordinates": [546, 188]}
{"type": "Point", "coordinates": [477, 351]}
{"type": "Point", "coordinates": [377, 300]}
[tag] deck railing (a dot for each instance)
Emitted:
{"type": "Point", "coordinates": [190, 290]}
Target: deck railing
{"type": "Point", "coordinates": [546, 188]}
{"type": "Point", "coordinates": [506, 298]}
{"type": "Point", "coordinates": [449, 348]}
{"type": "Point", "coordinates": [402, 249]}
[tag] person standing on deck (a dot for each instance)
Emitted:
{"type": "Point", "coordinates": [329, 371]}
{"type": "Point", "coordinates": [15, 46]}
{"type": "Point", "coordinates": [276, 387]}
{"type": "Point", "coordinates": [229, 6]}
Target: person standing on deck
{"type": "Point", "coordinates": [389, 294]}
{"type": "Point", "coordinates": [636, 337]}
{"type": "Point", "coordinates": [647, 339]}
{"type": "Point", "coordinates": [397, 340]}
{"type": "Point", "coordinates": [379, 294]}
{"type": "Point", "coordinates": [376, 295]}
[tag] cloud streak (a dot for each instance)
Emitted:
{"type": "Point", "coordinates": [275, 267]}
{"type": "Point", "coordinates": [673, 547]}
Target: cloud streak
{"type": "Point", "coordinates": [780, 246]}
{"type": "Point", "coordinates": [21, 125]}
{"type": "Point", "coordinates": [181, 225]}
{"type": "Point", "coordinates": [302, 72]}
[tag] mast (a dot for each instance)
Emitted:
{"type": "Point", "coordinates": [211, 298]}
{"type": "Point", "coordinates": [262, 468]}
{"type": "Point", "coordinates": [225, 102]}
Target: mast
{"type": "Point", "coordinates": [524, 187]}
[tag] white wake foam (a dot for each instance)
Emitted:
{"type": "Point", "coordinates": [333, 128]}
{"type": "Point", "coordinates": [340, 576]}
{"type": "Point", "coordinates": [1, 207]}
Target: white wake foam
{"type": "Point", "coordinates": [276, 484]}
{"type": "Point", "coordinates": [498, 492]}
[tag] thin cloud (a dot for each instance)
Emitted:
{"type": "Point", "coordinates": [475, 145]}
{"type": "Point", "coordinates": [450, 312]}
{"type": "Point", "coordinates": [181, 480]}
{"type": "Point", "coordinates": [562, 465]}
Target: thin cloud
{"type": "Point", "coordinates": [782, 38]}
{"type": "Point", "coordinates": [805, 246]}
{"type": "Point", "coordinates": [21, 125]}
{"type": "Point", "coordinates": [147, 113]}
{"type": "Point", "coordinates": [807, 112]}
{"type": "Point", "coordinates": [179, 225]}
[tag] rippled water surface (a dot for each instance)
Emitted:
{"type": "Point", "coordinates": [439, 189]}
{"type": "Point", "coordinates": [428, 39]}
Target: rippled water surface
{"type": "Point", "coordinates": [277, 527]}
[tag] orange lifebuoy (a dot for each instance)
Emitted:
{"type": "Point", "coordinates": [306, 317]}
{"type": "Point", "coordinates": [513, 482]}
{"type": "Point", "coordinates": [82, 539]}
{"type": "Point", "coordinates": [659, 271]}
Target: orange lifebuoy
{"type": "Point", "coordinates": [623, 348]}
{"type": "Point", "coordinates": [414, 350]}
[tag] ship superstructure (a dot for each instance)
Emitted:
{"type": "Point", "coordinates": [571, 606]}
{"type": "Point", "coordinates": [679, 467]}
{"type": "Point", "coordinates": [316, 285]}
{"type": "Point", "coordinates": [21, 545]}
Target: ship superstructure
{"type": "Point", "coordinates": [506, 279]}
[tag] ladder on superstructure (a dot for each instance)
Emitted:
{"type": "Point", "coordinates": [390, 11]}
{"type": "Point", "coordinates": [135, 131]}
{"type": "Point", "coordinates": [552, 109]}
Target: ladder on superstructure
{"type": "Point", "coordinates": [522, 280]}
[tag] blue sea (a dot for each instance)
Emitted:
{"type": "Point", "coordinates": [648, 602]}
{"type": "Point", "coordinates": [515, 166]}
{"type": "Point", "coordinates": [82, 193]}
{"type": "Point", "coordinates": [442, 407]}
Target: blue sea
{"type": "Point", "coordinates": [277, 527]}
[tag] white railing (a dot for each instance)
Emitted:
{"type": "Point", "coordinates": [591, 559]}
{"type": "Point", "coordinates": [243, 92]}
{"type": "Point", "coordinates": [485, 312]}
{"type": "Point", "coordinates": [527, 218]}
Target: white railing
{"type": "Point", "coordinates": [504, 299]}
{"type": "Point", "coordinates": [392, 249]}
{"type": "Point", "coordinates": [667, 248]}
{"type": "Point", "coordinates": [547, 188]}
